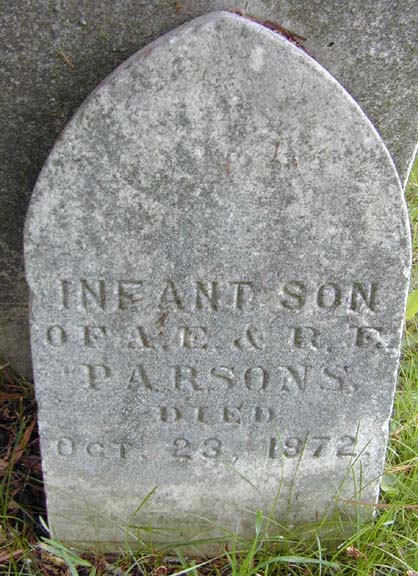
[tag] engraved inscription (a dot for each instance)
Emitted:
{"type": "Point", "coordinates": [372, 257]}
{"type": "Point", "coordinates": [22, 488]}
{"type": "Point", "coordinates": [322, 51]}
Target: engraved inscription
{"type": "Point", "coordinates": [346, 446]}
{"type": "Point", "coordinates": [306, 337]}
{"type": "Point", "coordinates": [194, 337]}
{"type": "Point", "coordinates": [129, 293]}
{"type": "Point", "coordinates": [312, 446]}
{"type": "Point", "coordinates": [329, 296]}
{"type": "Point", "coordinates": [207, 294]}
{"type": "Point", "coordinates": [93, 334]}
{"type": "Point", "coordinates": [212, 295]}
{"type": "Point", "coordinates": [293, 295]}
{"type": "Point", "coordinates": [290, 380]}
{"type": "Point", "coordinates": [93, 294]}
{"type": "Point", "coordinates": [140, 379]}
{"type": "Point", "coordinates": [56, 336]}
{"type": "Point", "coordinates": [368, 337]}
{"type": "Point", "coordinates": [203, 343]}
{"type": "Point", "coordinates": [243, 294]}
{"type": "Point", "coordinates": [210, 448]}
{"type": "Point", "coordinates": [96, 374]}
{"type": "Point", "coordinates": [364, 296]}
{"type": "Point", "coordinates": [253, 338]}
{"type": "Point", "coordinates": [67, 446]}
{"type": "Point", "coordinates": [140, 339]}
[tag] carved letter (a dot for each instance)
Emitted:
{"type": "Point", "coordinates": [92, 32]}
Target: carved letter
{"type": "Point", "coordinates": [362, 296]}
{"type": "Point", "coordinates": [306, 337]}
{"type": "Point", "coordinates": [171, 296]}
{"type": "Point", "coordinates": [297, 293]}
{"type": "Point", "coordinates": [369, 337]}
{"type": "Point", "coordinates": [243, 293]}
{"type": "Point", "coordinates": [123, 446]}
{"type": "Point", "coordinates": [130, 292]}
{"type": "Point", "coordinates": [263, 415]}
{"type": "Point", "coordinates": [329, 296]}
{"type": "Point", "coordinates": [95, 449]}
{"type": "Point", "coordinates": [89, 294]}
{"type": "Point", "coordinates": [211, 294]}
{"type": "Point", "coordinates": [65, 446]}
{"type": "Point", "coordinates": [56, 336]}
{"type": "Point", "coordinates": [294, 378]}
{"type": "Point", "coordinates": [93, 334]}
{"type": "Point", "coordinates": [141, 341]}
{"type": "Point", "coordinates": [201, 415]}
{"type": "Point", "coordinates": [338, 379]}
{"type": "Point", "coordinates": [194, 337]}
{"type": "Point", "coordinates": [185, 375]}
{"type": "Point", "coordinates": [256, 378]}
{"type": "Point", "coordinates": [232, 415]}
{"type": "Point", "coordinates": [274, 448]}
{"type": "Point", "coordinates": [170, 414]}
{"type": "Point", "coordinates": [65, 293]}
{"type": "Point", "coordinates": [224, 373]}
{"type": "Point", "coordinates": [139, 379]}
{"type": "Point", "coordinates": [96, 374]}
{"type": "Point", "coordinates": [253, 336]}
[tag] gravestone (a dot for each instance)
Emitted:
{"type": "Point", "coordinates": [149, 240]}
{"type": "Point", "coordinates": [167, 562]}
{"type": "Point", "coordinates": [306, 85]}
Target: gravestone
{"type": "Point", "coordinates": [55, 53]}
{"type": "Point", "coordinates": [218, 254]}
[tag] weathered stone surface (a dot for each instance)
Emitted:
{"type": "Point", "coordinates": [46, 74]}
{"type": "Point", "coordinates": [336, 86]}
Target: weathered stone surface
{"type": "Point", "coordinates": [218, 255]}
{"type": "Point", "coordinates": [53, 54]}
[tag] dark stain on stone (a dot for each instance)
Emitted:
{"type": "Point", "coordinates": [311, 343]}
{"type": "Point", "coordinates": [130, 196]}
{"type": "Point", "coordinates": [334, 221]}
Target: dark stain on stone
{"type": "Point", "coordinates": [293, 37]}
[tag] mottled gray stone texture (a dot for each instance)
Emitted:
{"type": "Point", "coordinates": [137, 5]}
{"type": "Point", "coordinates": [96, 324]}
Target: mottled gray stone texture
{"type": "Point", "coordinates": [54, 53]}
{"type": "Point", "coordinates": [218, 256]}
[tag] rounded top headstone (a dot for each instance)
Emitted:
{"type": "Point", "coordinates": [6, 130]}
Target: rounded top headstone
{"type": "Point", "coordinates": [218, 256]}
{"type": "Point", "coordinates": [220, 116]}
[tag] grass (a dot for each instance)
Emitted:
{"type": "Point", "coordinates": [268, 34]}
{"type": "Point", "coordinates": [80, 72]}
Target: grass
{"type": "Point", "coordinates": [387, 546]}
